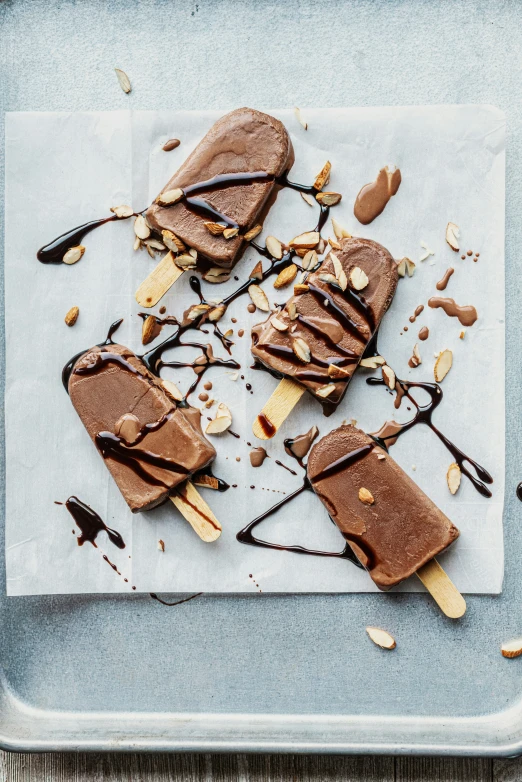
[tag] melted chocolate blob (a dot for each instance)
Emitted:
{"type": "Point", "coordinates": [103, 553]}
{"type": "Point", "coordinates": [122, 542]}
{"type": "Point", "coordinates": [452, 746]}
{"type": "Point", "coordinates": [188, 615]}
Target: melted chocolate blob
{"type": "Point", "coordinates": [467, 314]}
{"type": "Point", "coordinates": [90, 524]}
{"type": "Point", "coordinates": [443, 282]}
{"type": "Point", "coordinates": [373, 197]}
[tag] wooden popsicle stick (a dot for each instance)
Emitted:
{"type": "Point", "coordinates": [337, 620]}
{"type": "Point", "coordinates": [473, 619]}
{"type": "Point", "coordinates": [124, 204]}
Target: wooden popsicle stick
{"type": "Point", "coordinates": [195, 510]}
{"type": "Point", "coordinates": [277, 409]}
{"type": "Point", "coordinates": [442, 589]}
{"type": "Point", "coordinates": [158, 282]}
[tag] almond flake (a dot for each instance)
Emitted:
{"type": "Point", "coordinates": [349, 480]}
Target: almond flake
{"type": "Point", "coordinates": [223, 410]}
{"type": "Point", "coordinates": [453, 477]}
{"type": "Point", "coordinates": [216, 274]}
{"type": "Point", "coordinates": [218, 425]}
{"type": "Point", "coordinates": [161, 545]}
{"type": "Point", "coordinates": [173, 242]}
{"type": "Point", "coordinates": [170, 197]}
{"type": "Point", "coordinates": [405, 265]}
{"type": "Point", "coordinates": [306, 241]}
{"type": "Point", "coordinates": [292, 310]}
{"type": "Point", "coordinates": [328, 198]}
{"type": "Point", "coordinates": [339, 271]}
{"type": "Point", "coordinates": [339, 231]}
{"type": "Point", "coordinates": [358, 279]}
{"type": "Point", "coordinates": [301, 349]}
{"type": "Point", "coordinates": [452, 236]}
{"type": "Point", "coordinates": [257, 272]}
{"type": "Point", "coordinates": [415, 360]}
{"type": "Point", "coordinates": [366, 496]}
{"type": "Point", "coordinates": [141, 229]}
{"type": "Point", "coordinates": [185, 261]}
{"type": "Point", "coordinates": [310, 259]}
{"type": "Point", "coordinates": [215, 228]}
{"type": "Point", "coordinates": [172, 389]}
{"type": "Point", "coordinates": [323, 177]}
{"type": "Point", "coordinates": [259, 298]}
{"type": "Point", "coordinates": [301, 288]}
{"type": "Point", "coordinates": [255, 231]}
{"type": "Point", "coordinates": [329, 278]}
{"type": "Point", "coordinates": [299, 118]}
{"type": "Point", "coordinates": [308, 198]}
{"type": "Point", "coordinates": [512, 649]}
{"type": "Point", "coordinates": [427, 253]}
{"type": "Point", "coordinates": [150, 250]}
{"type": "Point", "coordinates": [73, 255]}
{"type": "Point", "coordinates": [334, 244]}
{"type": "Point", "coordinates": [217, 313]}
{"type": "Point", "coordinates": [123, 80]}
{"type": "Point", "coordinates": [228, 333]}
{"type": "Point", "coordinates": [286, 276]}
{"type": "Point", "coordinates": [229, 233]}
{"type": "Point", "coordinates": [338, 373]}
{"type": "Point", "coordinates": [194, 253]}
{"type": "Point", "coordinates": [155, 244]}
{"type": "Point", "coordinates": [122, 211]}
{"type": "Point", "coordinates": [372, 362]}
{"type": "Point", "coordinates": [381, 638]}
{"type": "Point", "coordinates": [147, 330]}
{"type": "Point", "coordinates": [72, 316]}
{"type": "Point", "coordinates": [209, 403]}
{"type": "Point", "coordinates": [381, 456]}
{"type": "Point", "coordinates": [278, 324]}
{"type": "Point", "coordinates": [388, 375]}
{"type": "Point", "coordinates": [274, 247]}
{"type": "Point", "coordinates": [138, 243]}
{"type": "Point", "coordinates": [197, 311]}
{"type": "Point", "coordinates": [321, 247]}
{"type": "Point", "coordinates": [325, 391]}
{"type": "Point", "coordinates": [443, 365]}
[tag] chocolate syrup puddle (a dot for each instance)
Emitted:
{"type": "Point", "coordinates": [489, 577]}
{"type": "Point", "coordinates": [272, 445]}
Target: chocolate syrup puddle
{"type": "Point", "coordinates": [373, 197]}
{"type": "Point", "coordinates": [391, 430]}
{"type": "Point", "coordinates": [90, 524]}
{"type": "Point", "coordinates": [467, 314]}
{"type": "Point", "coordinates": [443, 282]}
{"type": "Point", "coordinates": [178, 602]}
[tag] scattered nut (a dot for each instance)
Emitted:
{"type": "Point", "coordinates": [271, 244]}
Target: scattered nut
{"type": "Point", "coordinates": [122, 211]}
{"type": "Point", "coordinates": [215, 228]}
{"type": "Point", "coordinates": [443, 365]}
{"type": "Point", "coordinates": [381, 638]}
{"type": "Point", "coordinates": [150, 250]}
{"type": "Point", "coordinates": [185, 261]}
{"type": "Point", "coordinates": [161, 545]}
{"type": "Point", "coordinates": [221, 422]}
{"type": "Point", "coordinates": [329, 278]}
{"type": "Point", "coordinates": [194, 253]}
{"type": "Point", "coordinates": [141, 229]}
{"type": "Point", "coordinates": [381, 456]}
{"type": "Point", "coordinates": [321, 247]}
{"type": "Point", "coordinates": [328, 198]}
{"type": "Point", "coordinates": [217, 313]}
{"type": "Point", "coordinates": [453, 477]}
{"type": "Point", "coordinates": [366, 496]}
{"type": "Point", "coordinates": [216, 275]}
{"type": "Point", "coordinates": [427, 253]}
{"type": "Point", "coordinates": [372, 362]}
{"type": "Point", "coordinates": [512, 649]}
{"type": "Point", "coordinates": [172, 389]}
{"type": "Point", "coordinates": [301, 288]}
{"type": "Point", "coordinates": [338, 373]}
{"type": "Point", "coordinates": [310, 259]}
{"type": "Point", "coordinates": [147, 330]}
{"type": "Point", "coordinates": [229, 233]}
{"type": "Point", "coordinates": [73, 254]}
{"type": "Point", "coordinates": [197, 311]}
{"type": "Point", "coordinates": [415, 360]}
{"type": "Point", "coordinates": [155, 244]}
{"type": "Point", "coordinates": [405, 265]}
{"type": "Point", "coordinates": [308, 198]}
{"type": "Point", "coordinates": [323, 177]}
{"type": "Point", "coordinates": [306, 241]}
{"type": "Point", "coordinates": [170, 197]}
{"type": "Point", "coordinates": [274, 247]}
{"type": "Point", "coordinates": [279, 324]}
{"type": "Point", "coordinates": [292, 310]}
{"type": "Point", "coordinates": [301, 349]}
{"type": "Point", "coordinates": [339, 271]}
{"type": "Point", "coordinates": [138, 243]}
{"type": "Point", "coordinates": [339, 231]}
{"type": "Point", "coordinates": [255, 231]}
{"type": "Point", "coordinates": [325, 391]}
{"type": "Point", "coordinates": [388, 375]}
{"type": "Point", "coordinates": [334, 244]}
{"type": "Point", "coordinates": [286, 276]}
{"type": "Point", "coordinates": [462, 334]}
{"type": "Point", "coordinates": [452, 236]}
{"type": "Point", "coordinates": [171, 144]}
{"type": "Point", "coordinates": [299, 118]}
{"type": "Point", "coordinates": [358, 279]}
{"type": "Point", "coordinates": [259, 298]}
{"type": "Point", "coordinates": [72, 316]}
{"type": "Point", "coordinates": [173, 242]}
{"type": "Point", "coordinates": [123, 80]}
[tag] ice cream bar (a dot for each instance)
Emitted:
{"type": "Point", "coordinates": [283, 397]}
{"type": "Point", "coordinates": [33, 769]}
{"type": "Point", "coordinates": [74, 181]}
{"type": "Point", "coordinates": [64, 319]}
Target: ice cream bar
{"type": "Point", "coordinates": [320, 336]}
{"type": "Point", "coordinates": [148, 443]}
{"type": "Point", "coordinates": [242, 142]}
{"type": "Point", "coordinates": [390, 524]}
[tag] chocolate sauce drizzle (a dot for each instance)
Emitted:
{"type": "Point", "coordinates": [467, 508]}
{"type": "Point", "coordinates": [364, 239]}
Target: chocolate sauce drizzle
{"type": "Point", "coordinates": [178, 602]}
{"type": "Point", "coordinates": [55, 250]}
{"type": "Point", "coordinates": [90, 524]}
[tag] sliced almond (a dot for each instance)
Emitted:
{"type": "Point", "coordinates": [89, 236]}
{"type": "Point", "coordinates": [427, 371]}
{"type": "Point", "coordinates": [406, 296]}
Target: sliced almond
{"type": "Point", "coordinates": [415, 360]}
{"type": "Point", "coordinates": [147, 330]}
{"type": "Point", "coordinates": [218, 425]}
{"type": "Point", "coordinates": [301, 288]}
{"type": "Point", "coordinates": [197, 311]}
{"type": "Point", "coordinates": [326, 390]}
{"type": "Point", "coordinates": [310, 259]}
{"type": "Point", "coordinates": [257, 272]}
{"type": "Point", "coordinates": [427, 251]}
{"type": "Point", "coordinates": [155, 244]}
{"type": "Point", "coordinates": [274, 247]}
{"type": "Point", "coordinates": [72, 316]}
{"type": "Point", "coordinates": [453, 477]}
{"type": "Point", "coordinates": [150, 250]}
{"type": "Point", "coordinates": [292, 310]}
{"type": "Point", "coordinates": [215, 228]}
{"type": "Point", "coordinates": [123, 80]}
{"type": "Point", "coordinates": [323, 177]}
{"type": "Point", "coordinates": [328, 198]}
{"type": "Point", "coordinates": [286, 276]}
{"type": "Point", "coordinates": [170, 197]}
{"type": "Point", "coordinates": [358, 279]}
{"type": "Point", "coordinates": [185, 261]}
{"type": "Point", "coordinates": [381, 638]}
{"type": "Point", "coordinates": [512, 649]}
{"type": "Point", "coordinates": [194, 253]}
{"type": "Point", "coordinates": [321, 247]}
{"type": "Point", "coordinates": [255, 231]}
{"type": "Point", "coordinates": [73, 255]}
{"type": "Point", "coordinates": [329, 278]}
{"type": "Point", "coordinates": [229, 233]}
{"type": "Point", "coordinates": [338, 373]}
{"type": "Point", "coordinates": [301, 252]}
{"type": "Point", "coordinates": [161, 545]}
{"type": "Point", "coordinates": [366, 496]}
{"type": "Point", "coordinates": [405, 265]}
{"type": "Point", "coordinates": [173, 242]}
{"type": "Point", "coordinates": [141, 229]}
{"type": "Point", "coordinates": [462, 334]}
{"type": "Point", "coordinates": [122, 211]}
{"type": "Point", "coordinates": [372, 362]}
{"type": "Point", "coordinates": [388, 375]}
{"type": "Point", "coordinates": [228, 333]}
{"type": "Point", "coordinates": [299, 117]}
{"type": "Point", "coordinates": [209, 403]}
{"type": "Point", "coordinates": [339, 231]}
{"type": "Point", "coordinates": [217, 313]}
{"type": "Point", "coordinates": [259, 298]}
{"type": "Point", "coordinates": [306, 241]}
{"type": "Point", "coordinates": [172, 389]}
{"type": "Point", "coordinates": [138, 244]}
{"type": "Point", "coordinates": [279, 324]}
{"type": "Point", "coordinates": [223, 410]}
{"type": "Point", "coordinates": [339, 272]}
{"type": "Point", "coordinates": [301, 349]}
{"type": "Point", "coordinates": [381, 456]}
{"type": "Point", "coordinates": [443, 365]}
{"type": "Point", "coordinates": [308, 198]}
{"type": "Point", "coordinates": [452, 236]}
{"type": "Point", "coordinates": [334, 244]}
{"type": "Point", "coordinates": [216, 274]}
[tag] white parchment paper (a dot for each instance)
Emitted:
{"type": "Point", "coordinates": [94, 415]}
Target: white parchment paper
{"type": "Point", "coordinates": [64, 169]}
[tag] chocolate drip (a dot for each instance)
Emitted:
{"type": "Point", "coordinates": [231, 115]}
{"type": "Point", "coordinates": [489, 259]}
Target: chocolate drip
{"type": "Point", "coordinates": [280, 464]}
{"type": "Point", "coordinates": [103, 358]}
{"type": "Point", "coordinates": [333, 308]}
{"type": "Point", "coordinates": [68, 368]}
{"type": "Point", "coordinates": [298, 447]}
{"type": "Point", "coordinates": [178, 602]}
{"type": "Point", "coordinates": [90, 524]}
{"type": "Point", "coordinates": [55, 250]}
{"type": "Point", "coordinates": [391, 431]}
{"type": "Point", "coordinates": [343, 462]}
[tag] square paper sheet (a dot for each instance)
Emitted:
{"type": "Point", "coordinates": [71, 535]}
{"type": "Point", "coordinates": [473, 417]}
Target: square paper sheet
{"type": "Point", "coordinates": [64, 169]}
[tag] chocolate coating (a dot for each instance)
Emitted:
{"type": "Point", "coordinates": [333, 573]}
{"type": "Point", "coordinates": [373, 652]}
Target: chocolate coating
{"type": "Point", "coordinates": [114, 393]}
{"type": "Point", "coordinates": [243, 141]}
{"type": "Point", "coordinates": [396, 535]}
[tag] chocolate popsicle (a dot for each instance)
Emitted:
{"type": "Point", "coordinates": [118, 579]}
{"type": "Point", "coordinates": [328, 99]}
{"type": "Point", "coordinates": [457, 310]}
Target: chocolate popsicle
{"type": "Point", "coordinates": [320, 336]}
{"type": "Point", "coordinates": [242, 142]}
{"type": "Point", "coordinates": [391, 525]}
{"type": "Point", "coordinates": [148, 443]}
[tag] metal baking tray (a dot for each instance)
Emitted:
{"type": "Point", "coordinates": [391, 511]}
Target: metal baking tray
{"type": "Point", "coordinates": [270, 673]}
